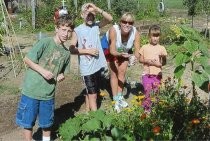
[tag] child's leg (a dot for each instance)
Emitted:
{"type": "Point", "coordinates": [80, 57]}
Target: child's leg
{"type": "Point", "coordinates": [92, 101]}
{"type": "Point", "coordinates": [147, 84]}
{"type": "Point", "coordinates": [156, 83]}
{"type": "Point", "coordinates": [87, 103]}
{"type": "Point", "coordinates": [92, 87]}
{"type": "Point", "coordinates": [27, 134]}
{"type": "Point", "coordinates": [46, 134]}
{"type": "Point", "coordinates": [26, 115]}
{"type": "Point", "coordinates": [46, 117]}
{"type": "Point", "coordinates": [122, 67]}
{"type": "Point", "coordinates": [113, 79]}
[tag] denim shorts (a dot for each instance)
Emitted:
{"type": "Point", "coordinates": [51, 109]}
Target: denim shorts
{"type": "Point", "coordinates": [30, 109]}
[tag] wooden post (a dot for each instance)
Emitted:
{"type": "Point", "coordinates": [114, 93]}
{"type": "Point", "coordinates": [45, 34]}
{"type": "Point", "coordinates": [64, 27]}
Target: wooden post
{"type": "Point", "coordinates": [109, 4]}
{"type": "Point", "coordinates": [33, 13]}
{"type": "Point", "coordinates": [75, 4]}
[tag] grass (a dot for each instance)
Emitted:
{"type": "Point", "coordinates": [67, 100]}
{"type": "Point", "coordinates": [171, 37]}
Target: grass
{"type": "Point", "coordinates": [8, 89]}
{"type": "Point", "coordinates": [169, 4]}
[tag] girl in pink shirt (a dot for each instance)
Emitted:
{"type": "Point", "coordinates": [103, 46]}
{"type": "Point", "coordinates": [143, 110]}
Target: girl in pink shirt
{"type": "Point", "coordinates": [153, 57]}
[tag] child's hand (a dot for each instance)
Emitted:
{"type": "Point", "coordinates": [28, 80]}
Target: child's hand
{"type": "Point", "coordinates": [93, 51]}
{"type": "Point", "coordinates": [60, 77]}
{"type": "Point", "coordinates": [91, 7]}
{"type": "Point", "coordinates": [47, 74]}
{"type": "Point", "coordinates": [156, 63]}
{"type": "Point", "coordinates": [125, 55]}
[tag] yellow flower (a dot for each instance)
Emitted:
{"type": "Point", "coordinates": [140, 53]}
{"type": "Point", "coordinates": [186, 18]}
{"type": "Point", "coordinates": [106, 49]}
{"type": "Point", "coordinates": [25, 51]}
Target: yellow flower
{"type": "Point", "coordinates": [135, 97]}
{"type": "Point", "coordinates": [153, 99]}
{"type": "Point", "coordinates": [139, 103]}
{"type": "Point", "coordinates": [141, 97]}
{"type": "Point", "coordinates": [128, 109]}
{"type": "Point", "coordinates": [103, 94]}
{"type": "Point", "coordinates": [133, 101]}
{"type": "Point", "coordinates": [113, 102]}
{"type": "Point", "coordinates": [187, 100]}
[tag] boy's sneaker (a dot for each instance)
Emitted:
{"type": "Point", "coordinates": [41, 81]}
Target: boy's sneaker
{"type": "Point", "coordinates": [117, 107]}
{"type": "Point", "coordinates": [122, 102]}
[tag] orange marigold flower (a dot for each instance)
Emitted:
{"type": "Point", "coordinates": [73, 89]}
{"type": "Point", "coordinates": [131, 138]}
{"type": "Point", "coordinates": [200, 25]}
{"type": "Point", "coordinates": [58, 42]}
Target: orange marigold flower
{"type": "Point", "coordinates": [156, 130]}
{"type": "Point", "coordinates": [195, 121]}
{"type": "Point", "coordinates": [143, 116]}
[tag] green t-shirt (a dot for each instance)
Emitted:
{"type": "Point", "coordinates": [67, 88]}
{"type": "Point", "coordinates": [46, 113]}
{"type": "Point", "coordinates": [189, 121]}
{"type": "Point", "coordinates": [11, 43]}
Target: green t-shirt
{"type": "Point", "coordinates": [52, 57]}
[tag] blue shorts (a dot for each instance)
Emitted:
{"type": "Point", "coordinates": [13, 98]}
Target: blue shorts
{"type": "Point", "coordinates": [29, 109]}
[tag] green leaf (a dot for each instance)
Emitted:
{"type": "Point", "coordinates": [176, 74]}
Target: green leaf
{"type": "Point", "coordinates": [91, 125]}
{"type": "Point", "coordinates": [204, 49]}
{"type": "Point", "coordinates": [108, 138]}
{"type": "Point", "coordinates": [173, 48]}
{"type": "Point", "coordinates": [70, 129]}
{"type": "Point", "coordinates": [191, 46]}
{"type": "Point", "coordinates": [94, 139]}
{"type": "Point", "coordinates": [116, 133]}
{"type": "Point", "coordinates": [99, 114]}
{"type": "Point", "coordinates": [181, 58]}
{"type": "Point", "coordinates": [107, 121]}
{"type": "Point", "coordinates": [203, 60]}
{"type": "Point", "coordinates": [207, 69]}
{"type": "Point", "coordinates": [178, 72]}
{"type": "Point", "coordinates": [199, 78]}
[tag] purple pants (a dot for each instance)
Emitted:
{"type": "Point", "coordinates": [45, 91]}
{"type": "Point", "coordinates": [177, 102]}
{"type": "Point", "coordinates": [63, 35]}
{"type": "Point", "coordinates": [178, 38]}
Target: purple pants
{"type": "Point", "coordinates": [150, 84]}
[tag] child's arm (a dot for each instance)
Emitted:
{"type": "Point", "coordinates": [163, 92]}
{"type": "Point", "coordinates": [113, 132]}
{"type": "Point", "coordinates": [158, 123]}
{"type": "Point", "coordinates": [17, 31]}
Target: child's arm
{"type": "Point", "coordinates": [45, 73]}
{"type": "Point", "coordinates": [137, 45]}
{"type": "Point", "coordinates": [74, 50]}
{"type": "Point", "coordinates": [107, 18]}
{"type": "Point", "coordinates": [163, 60]}
{"type": "Point", "coordinates": [149, 62]}
{"type": "Point", "coordinates": [60, 77]}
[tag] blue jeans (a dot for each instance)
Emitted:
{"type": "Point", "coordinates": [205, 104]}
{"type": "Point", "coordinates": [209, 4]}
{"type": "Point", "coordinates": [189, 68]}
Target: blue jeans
{"type": "Point", "coordinates": [29, 109]}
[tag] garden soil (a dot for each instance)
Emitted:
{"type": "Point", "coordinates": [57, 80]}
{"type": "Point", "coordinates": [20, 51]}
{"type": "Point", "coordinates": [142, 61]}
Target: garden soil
{"type": "Point", "coordinates": [69, 98]}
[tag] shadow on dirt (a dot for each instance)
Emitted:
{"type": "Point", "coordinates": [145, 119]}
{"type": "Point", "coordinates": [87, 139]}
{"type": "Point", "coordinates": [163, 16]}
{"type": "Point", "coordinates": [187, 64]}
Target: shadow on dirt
{"type": "Point", "coordinates": [62, 114]}
{"type": "Point", "coordinates": [133, 89]}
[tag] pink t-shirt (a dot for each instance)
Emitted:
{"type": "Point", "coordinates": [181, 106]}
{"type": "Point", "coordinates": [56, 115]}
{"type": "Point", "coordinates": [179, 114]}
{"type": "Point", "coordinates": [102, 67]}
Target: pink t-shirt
{"type": "Point", "coordinates": [149, 51]}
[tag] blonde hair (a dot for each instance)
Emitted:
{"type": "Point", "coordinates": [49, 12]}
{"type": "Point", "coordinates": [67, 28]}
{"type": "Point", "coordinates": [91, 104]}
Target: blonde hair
{"type": "Point", "coordinates": [84, 7]}
{"type": "Point", "coordinates": [128, 16]}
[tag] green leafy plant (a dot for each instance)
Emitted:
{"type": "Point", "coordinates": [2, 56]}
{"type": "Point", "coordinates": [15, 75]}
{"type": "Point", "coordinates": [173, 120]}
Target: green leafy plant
{"type": "Point", "coordinates": [174, 116]}
{"type": "Point", "coordinates": [190, 49]}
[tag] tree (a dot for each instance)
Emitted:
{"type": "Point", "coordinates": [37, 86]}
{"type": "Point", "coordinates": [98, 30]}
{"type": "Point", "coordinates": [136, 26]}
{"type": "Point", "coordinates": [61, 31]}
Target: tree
{"type": "Point", "coordinates": [206, 9]}
{"type": "Point", "coordinates": [192, 6]}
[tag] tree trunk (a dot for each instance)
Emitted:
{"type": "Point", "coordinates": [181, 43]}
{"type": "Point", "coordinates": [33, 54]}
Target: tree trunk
{"type": "Point", "coordinates": [192, 21]}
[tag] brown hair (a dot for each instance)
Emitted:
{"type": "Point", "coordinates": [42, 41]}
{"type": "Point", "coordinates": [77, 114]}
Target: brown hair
{"type": "Point", "coordinates": [65, 20]}
{"type": "Point", "coordinates": [154, 30]}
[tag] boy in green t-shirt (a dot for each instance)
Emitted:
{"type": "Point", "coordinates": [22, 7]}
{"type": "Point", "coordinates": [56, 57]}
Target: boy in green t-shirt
{"type": "Point", "coordinates": [47, 62]}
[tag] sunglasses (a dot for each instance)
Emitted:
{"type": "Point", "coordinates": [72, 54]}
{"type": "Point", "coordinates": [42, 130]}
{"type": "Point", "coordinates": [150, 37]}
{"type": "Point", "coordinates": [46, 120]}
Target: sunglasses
{"type": "Point", "coordinates": [126, 22]}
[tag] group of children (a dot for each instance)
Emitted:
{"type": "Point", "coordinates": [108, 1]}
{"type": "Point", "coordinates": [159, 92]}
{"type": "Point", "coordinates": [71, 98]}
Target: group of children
{"type": "Point", "coordinates": [49, 59]}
